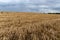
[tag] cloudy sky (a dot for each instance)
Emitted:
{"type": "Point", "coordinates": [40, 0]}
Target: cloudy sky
{"type": "Point", "coordinates": [30, 5]}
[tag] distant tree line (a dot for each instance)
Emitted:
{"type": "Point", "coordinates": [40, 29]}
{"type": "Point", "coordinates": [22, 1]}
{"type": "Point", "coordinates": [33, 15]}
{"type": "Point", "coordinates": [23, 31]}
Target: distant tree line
{"type": "Point", "coordinates": [53, 13]}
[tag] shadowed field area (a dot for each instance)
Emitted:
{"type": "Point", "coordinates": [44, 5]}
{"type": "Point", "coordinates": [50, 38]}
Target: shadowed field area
{"type": "Point", "coordinates": [29, 26]}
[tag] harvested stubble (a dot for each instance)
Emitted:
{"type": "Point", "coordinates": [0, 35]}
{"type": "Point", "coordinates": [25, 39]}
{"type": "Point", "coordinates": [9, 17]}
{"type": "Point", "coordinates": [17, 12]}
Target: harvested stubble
{"type": "Point", "coordinates": [29, 26]}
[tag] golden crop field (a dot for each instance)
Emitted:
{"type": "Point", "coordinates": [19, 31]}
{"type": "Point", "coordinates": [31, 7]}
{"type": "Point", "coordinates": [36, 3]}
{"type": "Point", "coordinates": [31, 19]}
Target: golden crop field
{"type": "Point", "coordinates": [29, 26]}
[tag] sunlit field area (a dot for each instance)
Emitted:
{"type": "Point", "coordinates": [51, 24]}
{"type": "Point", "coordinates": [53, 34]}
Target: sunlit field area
{"type": "Point", "coordinates": [29, 26]}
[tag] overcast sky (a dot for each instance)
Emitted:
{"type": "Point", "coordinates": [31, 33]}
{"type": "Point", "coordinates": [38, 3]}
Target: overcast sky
{"type": "Point", "coordinates": [30, 5]}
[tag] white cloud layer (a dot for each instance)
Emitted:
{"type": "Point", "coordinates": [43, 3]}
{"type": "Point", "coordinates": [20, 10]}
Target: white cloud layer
{"type": "Point", "coordinates": [35, 5]}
